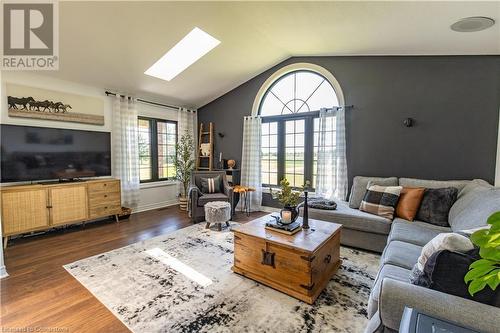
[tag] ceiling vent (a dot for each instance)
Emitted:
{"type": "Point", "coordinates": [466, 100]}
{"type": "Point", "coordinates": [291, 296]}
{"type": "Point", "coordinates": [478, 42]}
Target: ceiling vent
{"type": "Point", "coordinates": [472, 24]}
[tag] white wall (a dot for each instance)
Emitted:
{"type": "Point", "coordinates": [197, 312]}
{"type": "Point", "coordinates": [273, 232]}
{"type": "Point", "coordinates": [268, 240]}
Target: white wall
{"type": "Point", "coordinates": [151, 195]}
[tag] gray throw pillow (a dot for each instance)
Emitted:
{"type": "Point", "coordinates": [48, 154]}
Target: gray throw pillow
{"type": "Point", "coordinates": [211, 185]}
{"type": "Point", "coordinates": [436, 205]}
{"type": "Point", "coordinates": [360, 185]}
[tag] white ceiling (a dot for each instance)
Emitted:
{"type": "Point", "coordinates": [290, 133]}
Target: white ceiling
{"type": "Point", "coordinates": [111, 44]}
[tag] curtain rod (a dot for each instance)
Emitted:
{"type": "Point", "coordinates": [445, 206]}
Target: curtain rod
{"type": "Point", "coordinates": [149, 102]}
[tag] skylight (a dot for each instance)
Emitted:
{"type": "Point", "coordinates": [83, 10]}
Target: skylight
{"type": "Point", "coordinates": [186, 52]}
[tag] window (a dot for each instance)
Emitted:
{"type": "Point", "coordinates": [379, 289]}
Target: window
{"type": "Point", "coordinates": [157, 140]}
{"type": "Point", "coordinates": [290, 126]}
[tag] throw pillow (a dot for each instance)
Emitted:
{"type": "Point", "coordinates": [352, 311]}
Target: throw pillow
{"type": "Point", "coordinates": [211, 185]}
{"type": "Point", "coordinates": [436, 205]}
{"type": "Point", "coordinates": [444, 241]}
{"type": "Point", "coordinates": [360, 185]}
{"type": "Point", "coordinates": [381, 200]}
{"type": "Point", "coordinates": [409, 202]}
{"type": "Point", "coordinates": [445, 271]}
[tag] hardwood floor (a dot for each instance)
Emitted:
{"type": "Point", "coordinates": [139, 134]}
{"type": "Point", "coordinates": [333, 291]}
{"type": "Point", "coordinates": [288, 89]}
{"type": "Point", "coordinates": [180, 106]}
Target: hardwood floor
{"type": "Point", "coordinates": [40, 294]}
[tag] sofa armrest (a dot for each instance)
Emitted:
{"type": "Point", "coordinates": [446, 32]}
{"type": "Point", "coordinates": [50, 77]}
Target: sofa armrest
{"type": "Point", "coordinates": [395, 295]}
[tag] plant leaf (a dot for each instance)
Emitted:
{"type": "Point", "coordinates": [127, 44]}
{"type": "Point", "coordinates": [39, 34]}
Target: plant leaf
{"type": "Point", "coordinates": [491, 253]}
{"type": "Point", "coordinates": [481, 262]}
{"type": "Point", "coordinates": [475, 286]}
{"type": "Point", "coordinates": [480, 237]}
{"type": "Point", "coordinates": [475, 273]}
{"type": "Point", "coordinates": [494, 221]}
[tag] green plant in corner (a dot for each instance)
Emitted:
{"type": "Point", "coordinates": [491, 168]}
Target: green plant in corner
{"type": "Point", "coordinates": [486, 271]}
{"type": "Point", "coordinates": [184, 161]}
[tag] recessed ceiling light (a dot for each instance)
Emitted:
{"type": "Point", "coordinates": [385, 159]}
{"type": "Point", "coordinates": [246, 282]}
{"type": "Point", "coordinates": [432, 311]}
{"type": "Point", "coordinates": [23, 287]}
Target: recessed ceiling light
{"type": "Point", "coordinates": [472, 24]}
{"type": "Point", "coordinates": [186, 52]}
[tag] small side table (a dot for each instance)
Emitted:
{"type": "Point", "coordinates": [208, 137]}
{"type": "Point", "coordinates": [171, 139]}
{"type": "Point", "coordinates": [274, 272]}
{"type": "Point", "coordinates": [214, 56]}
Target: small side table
{"type": "Point", "coordinates": [414, 321]}
{"type": "Point", "coordinates": [245, 193]}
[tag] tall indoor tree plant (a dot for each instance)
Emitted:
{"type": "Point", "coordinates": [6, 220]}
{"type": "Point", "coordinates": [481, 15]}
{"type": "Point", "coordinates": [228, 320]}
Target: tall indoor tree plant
{"type": "Point", "coordinates": [184, 164]}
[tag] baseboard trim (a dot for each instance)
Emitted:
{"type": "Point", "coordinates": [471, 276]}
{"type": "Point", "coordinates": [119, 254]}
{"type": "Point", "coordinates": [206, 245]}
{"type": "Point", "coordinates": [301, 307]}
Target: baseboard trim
{"type": "Point", "coordinates": [156, 205]}
{"type": "Point", "coordinates": [3, 272]}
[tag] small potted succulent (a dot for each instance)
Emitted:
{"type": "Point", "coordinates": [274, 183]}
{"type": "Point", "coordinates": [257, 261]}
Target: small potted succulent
{"type": "Point", "coordinates": [290, 199]}
{"type": "Point", "coordinates": [184, 165]}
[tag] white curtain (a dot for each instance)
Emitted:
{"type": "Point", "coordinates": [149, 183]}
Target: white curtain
{"type": "Point", "coordinates": [331, 179]}
{"type": "Point", "coordinates": [125, 149]}
{"type": "Point", "coordinates": [187, 120]}
{"type": "Point", "coordinates": [250, 160]}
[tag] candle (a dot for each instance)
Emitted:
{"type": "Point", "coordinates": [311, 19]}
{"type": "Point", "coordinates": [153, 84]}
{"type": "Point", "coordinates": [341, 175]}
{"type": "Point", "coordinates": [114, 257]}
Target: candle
{"type": "Point", "coordinates": [286, 216]}
{"type": "Point", "coordinates": [220, 157]}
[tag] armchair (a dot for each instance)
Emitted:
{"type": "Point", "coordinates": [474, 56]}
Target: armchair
{"type": "Point", "coordinates": [197, 199]}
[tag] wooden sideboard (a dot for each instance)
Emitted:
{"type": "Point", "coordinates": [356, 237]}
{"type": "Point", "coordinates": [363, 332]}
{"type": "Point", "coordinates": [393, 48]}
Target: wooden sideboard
{"type": "Point", "coordinates": [27, 208]}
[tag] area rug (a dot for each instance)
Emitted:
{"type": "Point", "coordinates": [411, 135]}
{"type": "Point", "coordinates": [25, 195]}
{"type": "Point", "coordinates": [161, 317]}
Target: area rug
{"type": "Point", "coordinates": [182, 282]}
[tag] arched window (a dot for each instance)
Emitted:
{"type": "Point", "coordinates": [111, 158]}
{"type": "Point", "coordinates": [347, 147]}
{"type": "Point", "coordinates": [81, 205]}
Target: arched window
{"type": "Point", "coordinates": [296, 92]}
{"type": "Point", "coordinates": [289, 106]}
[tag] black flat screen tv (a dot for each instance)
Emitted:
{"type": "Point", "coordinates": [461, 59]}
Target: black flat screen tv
{"type": "Point", "coordinates": [38, 153]}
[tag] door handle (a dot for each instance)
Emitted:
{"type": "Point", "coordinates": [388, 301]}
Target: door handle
{"type": "Point", "coordinates": [328, 258]}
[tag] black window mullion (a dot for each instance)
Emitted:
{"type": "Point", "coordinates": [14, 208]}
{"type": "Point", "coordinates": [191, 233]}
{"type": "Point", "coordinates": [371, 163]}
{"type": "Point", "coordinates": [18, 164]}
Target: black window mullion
{"type": "Point", "coordinates": [281, 150]}
{"type": "Point", "coordinates": [154, 149]}
{"type": "Point", "coordinates": [308, 148]}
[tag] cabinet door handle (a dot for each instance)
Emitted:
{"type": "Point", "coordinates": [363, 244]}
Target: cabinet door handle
{"type": "Point", "coordinates": [328, 258]}
{"type": "Point", "coordinates": [106, 207]}
{"type": "Point", "coordinates": [49, 206]}
{"type": "Point", "coordinates": [268, 258]}
{"type": "Point", "coordinates": [105, 195]}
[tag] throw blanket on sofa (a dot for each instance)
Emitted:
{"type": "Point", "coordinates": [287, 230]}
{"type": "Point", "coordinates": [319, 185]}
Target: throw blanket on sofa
{"type": "Point", "coordinates": [322, 204]}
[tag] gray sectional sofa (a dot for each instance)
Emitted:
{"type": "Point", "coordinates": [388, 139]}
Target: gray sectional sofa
{"type": "Point", "coordinates": [401, 242]}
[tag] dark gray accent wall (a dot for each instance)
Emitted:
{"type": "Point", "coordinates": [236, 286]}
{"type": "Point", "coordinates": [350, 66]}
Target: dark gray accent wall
{"type": "Point", "coordinates": [454, 100]}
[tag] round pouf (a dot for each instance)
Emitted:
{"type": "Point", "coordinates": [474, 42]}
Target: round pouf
{"type": "Point", "coordinates": [217, 212]}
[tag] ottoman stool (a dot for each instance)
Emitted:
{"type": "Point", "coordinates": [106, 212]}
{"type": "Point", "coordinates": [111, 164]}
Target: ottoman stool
{"type": "Point", "coordinates": [217, 212]}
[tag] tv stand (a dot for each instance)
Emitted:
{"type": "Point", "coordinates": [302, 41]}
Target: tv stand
{"type": "Point", "coordinates": [63, 181]}
{"type": "Point", "coordinates": [28, 208]}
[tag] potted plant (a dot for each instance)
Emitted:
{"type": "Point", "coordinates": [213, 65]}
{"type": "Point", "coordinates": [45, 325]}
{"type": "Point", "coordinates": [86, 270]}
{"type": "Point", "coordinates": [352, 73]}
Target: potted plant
{"type": "Point", "coordinates": [184, 165]}
{"type": "Point", "coordinates": [486, 271]}
{"type": "Point", "coordinates": [290, 199]}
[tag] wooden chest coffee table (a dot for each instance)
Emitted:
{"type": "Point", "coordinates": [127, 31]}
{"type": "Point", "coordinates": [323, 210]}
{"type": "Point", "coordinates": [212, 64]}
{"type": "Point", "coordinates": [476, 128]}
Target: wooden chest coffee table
{"type": "Point", "coordinates": [299, 265]}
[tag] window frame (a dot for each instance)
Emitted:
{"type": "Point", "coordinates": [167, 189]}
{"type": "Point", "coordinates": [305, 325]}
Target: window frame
{"type": "Point", "coordinates": [153, 139]}
{"type": "Point", "coordinates": [308, 143]}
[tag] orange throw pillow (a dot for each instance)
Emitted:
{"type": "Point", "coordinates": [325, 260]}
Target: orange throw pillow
{"type": "Point", "coordinates": [409, 202]}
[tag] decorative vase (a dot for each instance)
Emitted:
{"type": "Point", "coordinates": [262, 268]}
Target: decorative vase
{"type": "Point", "coordinates": [183, 200]}
{"type": "Point", "coordinates": [288, 214]}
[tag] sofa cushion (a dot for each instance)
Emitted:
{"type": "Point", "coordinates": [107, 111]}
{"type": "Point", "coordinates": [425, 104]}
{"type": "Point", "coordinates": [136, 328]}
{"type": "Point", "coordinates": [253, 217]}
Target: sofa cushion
{"type": "Point", "coordinates": [381, 200]}
{"type": "Point", "coordinates": [412, 182]}
{"type": "Point", "coordinates": [387, 271]}
{"type": "Point", "coordinates": [353, 218]}
{"type": "Point", "coordinates": [475, 184]}
{"type": "Point", "coordinates": [436, 205]}
{"type": "Point", "coordinates": [211, 184]}
{"type": "Point", "coordinates": [202, 200]}
{"type": "Point", "coordinates": [467, 195]}
{"type": "Point", "coordinates": [409, 202]}
{"type": "Point", "coordinates": [401, 254]}
{"type": "Point", "coordinates": [476, 209]}
{"type": "Point", "coordinates": [360, 184]}
{"type": "Point", "coordinates": [445, 270]}
{"type": "Point", "coordinates": [444, 241]}
{"type": "Point", "coordinates": [416, 232]}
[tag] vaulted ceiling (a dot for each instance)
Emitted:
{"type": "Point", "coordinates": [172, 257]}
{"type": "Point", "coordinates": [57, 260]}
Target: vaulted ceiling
{"type": "Point", "coordinates": [111, 44]}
